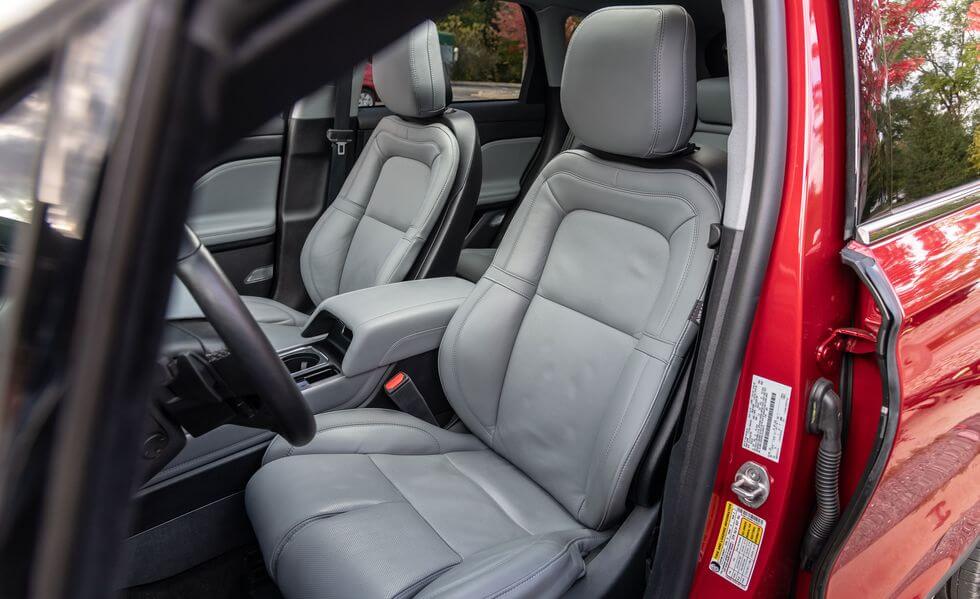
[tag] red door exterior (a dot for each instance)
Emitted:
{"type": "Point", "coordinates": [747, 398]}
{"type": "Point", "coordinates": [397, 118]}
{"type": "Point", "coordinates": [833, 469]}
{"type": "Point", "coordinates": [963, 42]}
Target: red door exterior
{"type": "Point", "coordinates": [924, 513]}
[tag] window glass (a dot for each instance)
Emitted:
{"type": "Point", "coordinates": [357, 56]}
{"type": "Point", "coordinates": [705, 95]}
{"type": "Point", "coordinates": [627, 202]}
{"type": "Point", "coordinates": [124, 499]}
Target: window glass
{"type": "Point", "coordinates": [484, 49]}
{"type": "Point", "coordinates": [21, 136]}
{"type": "Point", "coordinates": [919, 85]}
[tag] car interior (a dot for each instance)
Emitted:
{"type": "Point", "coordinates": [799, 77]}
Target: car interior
{"type": "Point", "coordinates": [478, 319]}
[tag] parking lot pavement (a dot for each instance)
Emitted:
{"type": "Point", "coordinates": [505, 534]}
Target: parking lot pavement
{"type": "Point", "coordinates": [464, 91]}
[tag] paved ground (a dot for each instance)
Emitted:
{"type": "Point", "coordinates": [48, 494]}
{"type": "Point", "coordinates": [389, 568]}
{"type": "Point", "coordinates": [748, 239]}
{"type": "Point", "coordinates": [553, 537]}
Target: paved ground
{"type": "Point", "coordinates": [464, 91]}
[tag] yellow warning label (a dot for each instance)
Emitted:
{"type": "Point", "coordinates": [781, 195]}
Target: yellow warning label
{"type": "Point", "coordinates": [751, 531]}
{"type": "Point", "coordinates": [720, 544]}
{"type": "Point", "coordinates": [738, 544]}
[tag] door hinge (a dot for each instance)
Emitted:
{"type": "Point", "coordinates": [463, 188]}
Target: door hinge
{"type": "Point", "coordinates": [844, 340]}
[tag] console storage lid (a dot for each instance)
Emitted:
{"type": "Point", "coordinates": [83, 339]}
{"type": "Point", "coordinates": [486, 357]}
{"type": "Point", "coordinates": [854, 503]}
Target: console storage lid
{"type": "Point", "coordinates": [377, 326]}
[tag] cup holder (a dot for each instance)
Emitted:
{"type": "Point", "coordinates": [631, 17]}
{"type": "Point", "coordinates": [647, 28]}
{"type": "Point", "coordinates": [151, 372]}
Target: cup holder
{"type": "Point", "coordinates": [308, 364]}
{"type": "Point", "coordinates": [302, 361]}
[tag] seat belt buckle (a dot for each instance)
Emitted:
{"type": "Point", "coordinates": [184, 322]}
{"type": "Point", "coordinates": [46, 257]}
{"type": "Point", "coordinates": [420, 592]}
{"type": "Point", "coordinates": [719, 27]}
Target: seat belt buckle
{"type": "Point", "coordinates": [340, 138]}
{"type": "Point", "coordinates": [401, 390]}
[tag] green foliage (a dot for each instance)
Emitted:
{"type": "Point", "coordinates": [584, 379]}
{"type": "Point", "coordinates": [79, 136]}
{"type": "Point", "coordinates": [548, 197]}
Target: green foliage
{"type": "Point", "coordinates": [929, 140]}
{"type": "Point", "coordinates": [485, 54]}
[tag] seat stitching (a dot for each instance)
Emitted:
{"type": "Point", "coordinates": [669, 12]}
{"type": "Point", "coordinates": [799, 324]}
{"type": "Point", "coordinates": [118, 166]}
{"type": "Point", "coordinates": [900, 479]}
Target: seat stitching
{"type": "Point", "coordinates": [659, 92]}
{"type": "Point", "coordinates": [612, 437]}
{"type": "Point", "coordinates": [589, 316]}
{"type": "Point", "coordinates": [455, 350]}
{"type": "Point", "coordinates": [301, 525]}
{"type": "Point", "coordinates": [422, 581]}
{"type": "Point", "coordinates": [496, 282]}
{"type": "Point", "coordinates": [671, 171]}
{"type": "Point", "coordinates": [629, 454]}
{"type": "Point", "coordinates": [542, 568]}
{"type": "Point", "coordinates": [432, 83]}
{"type": "Point", "coordinates": [319, 430]}
{"type": "Point", "coordinates": [677, 140]}
{"type": "Point", "coordinates": [484, 491]}
{"type": "Point", "coordinates": [648, 194]}
{"type": "Point", "coordinates": [687, 271]}
{"type": "Point", "coordinates": [513, 274]}
{"type": "Point", "coordinates": [411, 505]}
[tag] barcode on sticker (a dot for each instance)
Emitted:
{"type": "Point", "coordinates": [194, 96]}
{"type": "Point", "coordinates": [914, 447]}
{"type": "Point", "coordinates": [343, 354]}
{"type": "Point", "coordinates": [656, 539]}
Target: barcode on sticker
{"type": "Point", "coordinates": [738, 544]}
{"type": "Point", "coordinates": [766, 420]}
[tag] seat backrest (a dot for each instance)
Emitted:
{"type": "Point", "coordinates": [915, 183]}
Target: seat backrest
{"type": "Point", "coordinates": [376, 226]}
{"type": "Point", "coordinates": [561, 358]}
{"type": "Point", "coordinates": [714, 113]}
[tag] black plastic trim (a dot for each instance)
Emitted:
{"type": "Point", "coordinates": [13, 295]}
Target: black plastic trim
{"type": "Point", "coordinates": [874, 279]}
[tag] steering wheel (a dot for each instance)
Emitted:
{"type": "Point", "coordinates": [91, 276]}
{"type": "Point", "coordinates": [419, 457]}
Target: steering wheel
{"type": "Point", "coordinates": [281, 399]}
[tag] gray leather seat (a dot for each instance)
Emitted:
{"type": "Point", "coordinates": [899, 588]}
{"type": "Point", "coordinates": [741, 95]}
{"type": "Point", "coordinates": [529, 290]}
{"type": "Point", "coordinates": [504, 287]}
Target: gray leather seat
{"type": "Point", "coordinates": [372, 233]}
{"type": "Point", "coordinates": [559, 363]}
{"type": "Point", "coordinates": [712, 129]}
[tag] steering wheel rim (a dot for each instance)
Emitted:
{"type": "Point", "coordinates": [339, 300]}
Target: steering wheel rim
{"type": "Point", "coordinates": [225, 310]}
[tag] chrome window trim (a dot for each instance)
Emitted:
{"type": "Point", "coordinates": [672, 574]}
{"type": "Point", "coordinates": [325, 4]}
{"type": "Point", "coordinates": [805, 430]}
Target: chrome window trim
{"type": "Point", "coordinates": [919, 212]}
{"type": "Point", "coordinates": [853, 184]}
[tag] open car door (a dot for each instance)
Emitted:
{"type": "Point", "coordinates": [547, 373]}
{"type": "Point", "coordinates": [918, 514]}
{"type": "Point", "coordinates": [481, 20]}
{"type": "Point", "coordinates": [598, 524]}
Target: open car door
{"type": "Point", "coordinates": [912, 465]}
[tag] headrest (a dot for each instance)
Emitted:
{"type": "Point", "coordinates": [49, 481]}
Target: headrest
{"type": "Point", "coordinates": [409, 74]}
{"type": "Point", "coordinates": [628, 87]}
{"type": "Point", "coordinates": [715, 101]}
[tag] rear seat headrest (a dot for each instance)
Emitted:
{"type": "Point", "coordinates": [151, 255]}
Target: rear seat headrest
{"type": "Point", "coordinates": [628, 87]}
{"type": "Point", "coordinates": [410, 76]}
{"type": "Point", "coordinates": [715, 101]}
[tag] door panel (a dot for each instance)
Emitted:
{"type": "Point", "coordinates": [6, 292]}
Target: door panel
{"type": "Point", "coordinates": [236, 201]}
{"type": "Point", "coordinates": [234, 208]}
{"type": "Point", "coordinates": [923, 513]}
{"type": "Point", "coordinates": [504, 164]}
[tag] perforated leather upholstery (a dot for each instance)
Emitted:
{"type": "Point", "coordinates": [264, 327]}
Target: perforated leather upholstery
{"type": "Point", "coordinates": [559, 363]}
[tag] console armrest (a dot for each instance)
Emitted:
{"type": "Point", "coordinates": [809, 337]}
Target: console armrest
{"type": "Point", "coordinates": [380, 325]}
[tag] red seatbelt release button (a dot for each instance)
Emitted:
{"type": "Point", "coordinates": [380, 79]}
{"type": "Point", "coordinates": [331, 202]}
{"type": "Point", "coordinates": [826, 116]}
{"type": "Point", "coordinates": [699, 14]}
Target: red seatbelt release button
{"type": "Point", "coordinates": [395, 382]}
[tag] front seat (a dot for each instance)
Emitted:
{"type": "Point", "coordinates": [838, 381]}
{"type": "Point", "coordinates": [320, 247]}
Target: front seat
{"type": "Point", "coordinates": [419, 164]}
{"type": "Point", "coordinates": [559, 363]}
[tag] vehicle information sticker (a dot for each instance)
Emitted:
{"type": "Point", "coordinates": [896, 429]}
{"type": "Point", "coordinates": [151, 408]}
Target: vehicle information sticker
{"type": "Point", "coordinates": [738, 545]}
{"type": "Point", "coordinates": [764, 426]}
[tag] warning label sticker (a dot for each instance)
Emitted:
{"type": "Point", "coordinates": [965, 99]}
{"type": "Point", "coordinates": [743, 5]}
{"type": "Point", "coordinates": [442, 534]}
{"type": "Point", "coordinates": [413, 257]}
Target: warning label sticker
{"type": "Point", "coordinates": [766, 422]}
{"type": "Point", "coordinates": [737, 548]}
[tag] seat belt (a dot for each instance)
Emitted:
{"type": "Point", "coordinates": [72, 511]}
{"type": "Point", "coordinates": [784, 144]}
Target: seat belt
{"type": "Point", "coordinates": [340, 136]}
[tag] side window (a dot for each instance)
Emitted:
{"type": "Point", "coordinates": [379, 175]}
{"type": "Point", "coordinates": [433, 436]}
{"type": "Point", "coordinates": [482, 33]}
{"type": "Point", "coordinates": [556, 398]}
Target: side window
{"type": "Point", "coordinates": [919, 85]}
{"type": "Point", "coordinates": [21, 136]}
{"type": "Point", "coordinates": [484, 48]}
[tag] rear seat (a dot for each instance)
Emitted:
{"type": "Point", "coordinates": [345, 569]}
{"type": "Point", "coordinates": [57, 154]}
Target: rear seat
{"type": "Point", "coordinates": [714, 113]}
{"type": "Point", "coordinates": [712, 130]}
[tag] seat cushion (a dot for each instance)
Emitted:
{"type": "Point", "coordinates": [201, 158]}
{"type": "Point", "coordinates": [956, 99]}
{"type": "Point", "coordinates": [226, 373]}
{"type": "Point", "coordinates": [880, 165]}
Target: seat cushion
{"type": "Point", "coordinates": [382, 504]}
{"type": "Point", "coordinates": [268, 311]}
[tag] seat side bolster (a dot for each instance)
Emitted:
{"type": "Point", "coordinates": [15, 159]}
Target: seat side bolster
{"type": "Point", "coordinates": [372, 430]}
